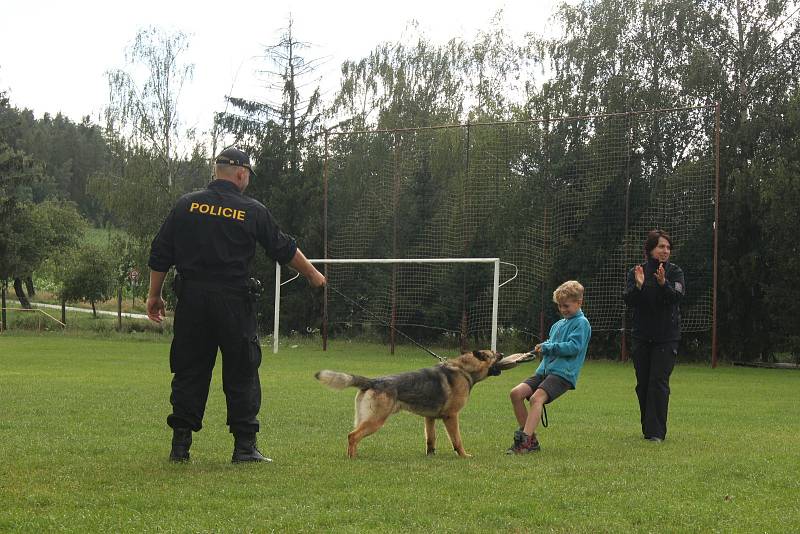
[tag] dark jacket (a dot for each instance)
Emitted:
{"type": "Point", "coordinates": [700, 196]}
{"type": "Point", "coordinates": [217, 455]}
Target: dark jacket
{"type": "Point", "coordinates": [212, 235]}
{"type": "Point", "coordinates": [656, 309]}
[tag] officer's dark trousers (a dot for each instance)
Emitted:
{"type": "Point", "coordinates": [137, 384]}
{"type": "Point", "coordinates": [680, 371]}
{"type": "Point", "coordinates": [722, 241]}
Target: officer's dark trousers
{"type": "Point", "coordinates": [207, 318]}
{"type": "Point", "coordinates": [653, 363]}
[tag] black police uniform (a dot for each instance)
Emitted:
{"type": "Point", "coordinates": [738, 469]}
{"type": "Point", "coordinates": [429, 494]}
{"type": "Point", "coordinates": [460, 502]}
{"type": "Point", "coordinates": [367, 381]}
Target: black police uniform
{"type": "Point", "coordinates": [656, 332]}
{"type": "Point", "coordinates": [210, 236]}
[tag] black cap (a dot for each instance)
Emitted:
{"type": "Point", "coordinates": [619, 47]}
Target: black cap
{"type": "Point", "coordinates": [234, 156]}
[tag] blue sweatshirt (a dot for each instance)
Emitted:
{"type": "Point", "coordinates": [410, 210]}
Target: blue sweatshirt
{"type": "Point", "coordinates": [564, 352]}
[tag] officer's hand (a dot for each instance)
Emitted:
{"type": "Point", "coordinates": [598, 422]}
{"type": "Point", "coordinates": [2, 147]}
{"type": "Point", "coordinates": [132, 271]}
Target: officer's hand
{"type": "Point", "coordinates": [317, 279]}
{"type": "Point", "coordinates": [156, 308]}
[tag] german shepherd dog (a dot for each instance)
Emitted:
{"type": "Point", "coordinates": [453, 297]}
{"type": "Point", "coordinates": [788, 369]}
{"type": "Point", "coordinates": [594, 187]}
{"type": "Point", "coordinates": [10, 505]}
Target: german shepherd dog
{"type": "Point", "coordinates": [438, 392]}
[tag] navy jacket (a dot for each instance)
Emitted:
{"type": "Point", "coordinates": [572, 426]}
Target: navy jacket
{"type": "Point", "coordinates": [656, 309]}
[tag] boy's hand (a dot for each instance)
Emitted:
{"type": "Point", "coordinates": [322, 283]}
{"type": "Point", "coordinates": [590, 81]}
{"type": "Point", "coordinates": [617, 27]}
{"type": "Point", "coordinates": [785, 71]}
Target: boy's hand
{"type": "Point", "coordinates": [638, 274]}
{"type": "Point", "coordinates": [511, 361]}
{"type": "Point", "coordinates": [538, 349]}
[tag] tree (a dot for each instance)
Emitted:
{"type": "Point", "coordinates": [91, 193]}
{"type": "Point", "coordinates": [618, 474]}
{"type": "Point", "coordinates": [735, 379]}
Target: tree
{"type": "Point", "coordinates": [29, 232]}
{"type": "Point", "coordinates": [65, 155]}
{"type": "Point", "coordinates": [148, 171]}
{"type": "Point", "coordinates": [497, 72]}
{"type": "Point", "coordinates": [299, 117]}
{"type": "Point", "coordinates": [39, 232]}
{"type": "Point", "coordinates": [403, 85]}
{"type": "Point", "coordinates": [70, 153]}
{"type": "Point", "coordinates": [781, 262]}
{"type": "Point", "coordinates": [146, 112]}
{"type": "Point", "coordinates": [415, 82]}
{"type": "Point", "coordinates": [87, 275]}
{"type": "Point", "coordinates": [284, 109]}
{"type": "Point", "coordinates": [760, 51]}
{"type": "Point", "coordinates": [280, 131]}
{"type": "Point", "coordinates": [646, 54]}
{"type": "Point", "coordinates": [19, 173]}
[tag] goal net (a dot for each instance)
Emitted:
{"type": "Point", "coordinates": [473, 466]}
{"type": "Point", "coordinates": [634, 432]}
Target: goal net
{"type": "Point", "coordinates": [561, 198]}
{"type": "Point", "coordinates": [410, 299]}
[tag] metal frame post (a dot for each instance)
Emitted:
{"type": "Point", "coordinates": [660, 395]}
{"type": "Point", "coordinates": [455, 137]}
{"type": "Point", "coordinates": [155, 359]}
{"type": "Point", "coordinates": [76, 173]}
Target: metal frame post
{"type": "Point", "coordinates": [3, 322]}
{"type": "Point", "coordinates": [395, 204]}
{"type": "Point", "coordinates": [542, 296]}
{"type": "Point", "coordinates": [464, 184]}
{"type": "Point", "coordinates": [714, 346]}
{"type": "Point", "coordinates": [324, 246]}
{"type": "Point", "coordinates": [628, 134]}
{"type": "Point", "coordinates": [277, 307]}
{"type": "Point", "coordinates": [495, 302]}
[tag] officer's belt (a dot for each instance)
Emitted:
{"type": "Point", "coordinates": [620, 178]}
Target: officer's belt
{"type": "Point", "coordinates": [216, 285]}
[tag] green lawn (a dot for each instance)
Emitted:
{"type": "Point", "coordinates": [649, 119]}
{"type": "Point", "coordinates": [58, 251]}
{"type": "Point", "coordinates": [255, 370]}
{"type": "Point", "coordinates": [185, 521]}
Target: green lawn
{"type": "Point", "coordinates": [83, 448]}
{"type": "Point", "coordinates": [102, 236]}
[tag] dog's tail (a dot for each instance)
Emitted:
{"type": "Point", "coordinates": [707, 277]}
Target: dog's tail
{"type": "Point", "coordinates": [337, 380]}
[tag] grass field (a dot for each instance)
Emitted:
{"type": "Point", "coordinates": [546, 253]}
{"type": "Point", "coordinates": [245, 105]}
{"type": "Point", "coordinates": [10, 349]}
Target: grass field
{"type": "Point", "coordinates": [102, 236]}
{"type": "Point", "coordinates": [83, 447]}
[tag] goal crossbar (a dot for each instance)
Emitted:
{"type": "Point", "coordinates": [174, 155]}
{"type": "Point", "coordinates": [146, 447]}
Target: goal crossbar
{"type": "Point", "coordinates": [495, 284]}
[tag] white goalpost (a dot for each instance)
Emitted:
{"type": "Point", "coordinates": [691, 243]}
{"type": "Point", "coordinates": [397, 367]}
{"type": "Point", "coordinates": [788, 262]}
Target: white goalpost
{"type": "Point", "coordinates": [495, 285]}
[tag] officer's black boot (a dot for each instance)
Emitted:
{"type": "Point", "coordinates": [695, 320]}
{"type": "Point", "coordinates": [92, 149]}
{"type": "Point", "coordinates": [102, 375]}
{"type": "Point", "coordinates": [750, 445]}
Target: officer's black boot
{"type": "Point", "coordinates": [244, 448]}
{"type": "Point", "coordinates": [181, 441]}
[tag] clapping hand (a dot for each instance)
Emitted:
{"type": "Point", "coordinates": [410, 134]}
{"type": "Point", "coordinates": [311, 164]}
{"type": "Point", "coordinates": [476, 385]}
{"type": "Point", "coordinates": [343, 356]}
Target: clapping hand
{"type": "Point", "coordinates": [660, 275]}
{"type": "Point", "coordinates": [638, 274]}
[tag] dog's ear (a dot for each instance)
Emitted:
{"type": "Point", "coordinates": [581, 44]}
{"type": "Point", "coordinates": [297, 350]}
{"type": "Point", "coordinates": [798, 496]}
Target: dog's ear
{"type": "Point", "coordinates": [478, 354]}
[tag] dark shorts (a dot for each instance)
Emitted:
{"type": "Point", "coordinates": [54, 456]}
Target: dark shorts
{"type": "Point", "coordinates": [553, 385]}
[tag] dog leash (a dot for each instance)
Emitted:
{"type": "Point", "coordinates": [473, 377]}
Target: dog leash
{"type": "Point", "coordinates": [384, 323]}
{"type": "Point", "coordinates": [544, 417]}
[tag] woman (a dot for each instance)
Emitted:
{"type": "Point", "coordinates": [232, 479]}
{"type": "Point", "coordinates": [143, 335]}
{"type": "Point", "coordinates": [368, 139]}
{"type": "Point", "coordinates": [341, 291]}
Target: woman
{"type": "Point", "coordinates": [654, 290]}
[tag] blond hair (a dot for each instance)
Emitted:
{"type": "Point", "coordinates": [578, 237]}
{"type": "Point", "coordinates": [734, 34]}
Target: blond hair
{"type": "Point", "coordinates": [569, 290]}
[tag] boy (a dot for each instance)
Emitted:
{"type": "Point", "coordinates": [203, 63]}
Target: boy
{"type": "Point", "coordinates": [562, 358]}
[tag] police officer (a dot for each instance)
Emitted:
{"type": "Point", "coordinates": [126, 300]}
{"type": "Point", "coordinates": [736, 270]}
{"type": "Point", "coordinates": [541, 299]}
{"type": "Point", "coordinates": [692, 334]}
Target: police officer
{"type": "Point", "coordinates": [210, 236]}
{"type": "Point", "coordinates": [654, 289]}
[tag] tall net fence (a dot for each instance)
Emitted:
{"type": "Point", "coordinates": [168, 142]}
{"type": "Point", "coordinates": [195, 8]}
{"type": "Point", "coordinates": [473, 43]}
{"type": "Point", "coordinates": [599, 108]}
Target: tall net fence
{"type": "Point", "coordinates": [565, 198]}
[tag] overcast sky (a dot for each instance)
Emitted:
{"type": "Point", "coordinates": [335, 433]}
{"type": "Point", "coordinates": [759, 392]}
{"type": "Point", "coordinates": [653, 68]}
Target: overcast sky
{"type": "Point", "coordinates": [54, 54]}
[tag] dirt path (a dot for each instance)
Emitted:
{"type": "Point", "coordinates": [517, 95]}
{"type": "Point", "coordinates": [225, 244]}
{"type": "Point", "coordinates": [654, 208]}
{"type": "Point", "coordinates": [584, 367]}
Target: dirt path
{"type": "Point", "coordinates": [85, 310]}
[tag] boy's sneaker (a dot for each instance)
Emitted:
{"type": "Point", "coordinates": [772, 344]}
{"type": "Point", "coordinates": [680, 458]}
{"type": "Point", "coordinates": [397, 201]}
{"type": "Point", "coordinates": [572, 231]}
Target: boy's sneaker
{"type": "Point", "coordinates": [519, 437]}
{"type": "Point", "coordinates": [528, 444]}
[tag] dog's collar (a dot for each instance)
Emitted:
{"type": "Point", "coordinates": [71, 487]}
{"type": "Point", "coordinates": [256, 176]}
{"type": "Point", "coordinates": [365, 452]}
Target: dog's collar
{"type": "Point", "coordinates": [463, 372]}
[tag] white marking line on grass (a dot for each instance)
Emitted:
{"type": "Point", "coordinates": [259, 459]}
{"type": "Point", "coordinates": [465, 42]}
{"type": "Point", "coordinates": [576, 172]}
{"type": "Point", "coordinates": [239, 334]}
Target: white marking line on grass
{"type": "Point", "coordinates": [87, 310]}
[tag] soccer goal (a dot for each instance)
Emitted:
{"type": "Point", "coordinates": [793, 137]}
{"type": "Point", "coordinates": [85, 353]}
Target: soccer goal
{"type": "Point", "coordinates": [387, 309]}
